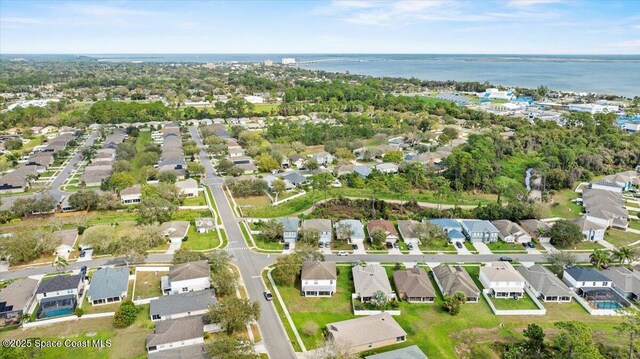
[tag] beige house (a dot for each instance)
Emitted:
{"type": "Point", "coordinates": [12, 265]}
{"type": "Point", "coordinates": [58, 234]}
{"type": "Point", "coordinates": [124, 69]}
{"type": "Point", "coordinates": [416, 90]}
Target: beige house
{"type": "Point", "coordinates": [366, 333]}
{"type": "Point", "coordinates": [414, 285]}
{"type": "Point", "coordinates": [369, 280]}
{"type": "Point", "coordinates": [452, 279]}
{"type": "Point", "coordinates": [318, 278]}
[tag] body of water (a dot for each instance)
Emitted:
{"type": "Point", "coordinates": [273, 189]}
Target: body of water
{"type": "Point", "coordinates": [605, 74]}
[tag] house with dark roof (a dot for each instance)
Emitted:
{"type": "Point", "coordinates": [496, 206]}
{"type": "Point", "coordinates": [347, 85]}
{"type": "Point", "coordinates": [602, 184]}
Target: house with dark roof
{"type": "Point", "coordinates": [578, 277]}
{"type": "Point", "coordinates": [59, 295]}
{"type": "Point", "coordinates": [175, 333]}
{"type": "Point", "coordinates": [16, 299]}
{"type": "Point", "coordinates": [295, 178]}
{"type": "Point", "coordinates": [453, 279]}
{"type": "Point", "coordinates": [318, 278]}
{"type": "Point", "coordinates": [595, 291]}
{"type": "Point", "coordinates": [18, 180]}
{"type": "Point", "coordinates": [414, 285]}
{"type": "Point", "coordinates": [186, 277]}
{"type": "Point", "coordinates": [544, 284]}
{"type": "Point", "coordinates": [182, 305]}
{"type": "Point", "coordinates": [193, 351]}
{"type": "Point", "coordinates": [108, 285]}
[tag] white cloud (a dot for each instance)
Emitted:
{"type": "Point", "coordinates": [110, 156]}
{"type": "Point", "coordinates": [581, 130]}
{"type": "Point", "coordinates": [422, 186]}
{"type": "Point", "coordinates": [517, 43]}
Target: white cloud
{"type": "Point", "coordinates": [530, 3]}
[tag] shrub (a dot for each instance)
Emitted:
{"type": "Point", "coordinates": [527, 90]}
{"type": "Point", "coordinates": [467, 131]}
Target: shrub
{"type": "Point", "coordinates": [126, 315]}
{"type": "Point", "coordinates": [81, 230]}
{"type": "Point", "coordinates": [79, 312]}
{"type": "Point", "coordinates": [310, 328]}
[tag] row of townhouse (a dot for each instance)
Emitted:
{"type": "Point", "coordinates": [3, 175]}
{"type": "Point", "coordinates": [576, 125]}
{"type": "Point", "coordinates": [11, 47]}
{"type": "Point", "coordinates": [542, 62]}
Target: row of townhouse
{"type": "Point", "coordinates": [101, 165]}
{"type": "Point", "coordinates": [172, 156]}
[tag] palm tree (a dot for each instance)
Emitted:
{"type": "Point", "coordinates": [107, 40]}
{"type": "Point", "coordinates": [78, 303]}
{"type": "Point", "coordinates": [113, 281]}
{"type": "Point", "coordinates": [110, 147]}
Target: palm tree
{"type": "Point", "coordinates": [60, 263]}
{"type": "Point", "coordinates": [624, 254]}
{"type": "Point", "coordinates": [599, 258]}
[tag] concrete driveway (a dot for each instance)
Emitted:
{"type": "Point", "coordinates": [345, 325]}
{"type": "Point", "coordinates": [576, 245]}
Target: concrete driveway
{"type": "Point", "coordinates": [532, 250]}
{"type": "Point", "coordinates": [548, 246]}
{"type": "Point", "coordinates": [360, 249]}
{"type": "Point", "coordinates": [395, 251]}
{"type": "Point", "coordinates": [481, 248]}
{"type": "Point", "coordinates": [463, 250]}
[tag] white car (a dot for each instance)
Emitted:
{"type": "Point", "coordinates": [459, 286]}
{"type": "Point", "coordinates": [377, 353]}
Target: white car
{"type": "Point", "coordinates": [343, 253]}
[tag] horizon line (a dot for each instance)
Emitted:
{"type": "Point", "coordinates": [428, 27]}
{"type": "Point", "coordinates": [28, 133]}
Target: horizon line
{"type": "Point", "coordinates": [312, 53]}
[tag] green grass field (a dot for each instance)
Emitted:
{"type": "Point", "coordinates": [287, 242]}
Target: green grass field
{"type": "Point", "coordinates": [200, 241]}
{"type": "Point", "coordinates": [621, 238]}
{"type": "Point", "coordinates": [503, 246]}
{"type": "Point", "coordinates": [565, 208]}
{"type": "Point", "coordinates": [510, 304]}
{"type": "Point", "coordinates": [144, 138]}
{"type": "Point", "coordinates": [195, 201]}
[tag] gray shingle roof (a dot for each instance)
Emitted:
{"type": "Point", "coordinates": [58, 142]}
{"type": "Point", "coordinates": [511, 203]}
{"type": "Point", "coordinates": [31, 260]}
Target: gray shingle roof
{"type": "Point", "coordinates": [17, 294]}
{"type": "Point", "coordinates": [290, 224]}
{"type": "Point", "coordinates": [586, 275]}
{"type": "Point", "coordinates": [318, 270]}
{"type": "Point", "coordinates": [455, 279]}
{"type": "Point", "coordinates": [171, 331]}
{"type": "Point", "coordinates": [59, 283]}
{"type": "Point", "coordinates": [182, 302]}
{"type": "Point", "coordinates": [365, 330]}
{"type": "Point", "coordinates": [370, 279]}
{"type": "Point", "coordinates": [412, 352]}
{"type": "Point", "coordinates": [189, 270]}
{"type": "Point", "coordinates": [414, 282]}
{"type": "Point", "coordinates": [544, 281]}
{"type": "Point", "coordinates": [109, 283]}
{"type": "Point", "coordinates": [627, 280]}
{"type": "Point", "coordinates": [196, 351]}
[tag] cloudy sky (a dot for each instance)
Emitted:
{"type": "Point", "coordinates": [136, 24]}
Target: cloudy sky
{"type": "Point", "coordinates": [438, 26]}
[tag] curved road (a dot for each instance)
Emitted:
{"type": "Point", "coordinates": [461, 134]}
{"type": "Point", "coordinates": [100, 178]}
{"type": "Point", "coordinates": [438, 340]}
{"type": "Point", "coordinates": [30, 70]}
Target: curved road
{"type": "Point", "coordinates": [252, 263]}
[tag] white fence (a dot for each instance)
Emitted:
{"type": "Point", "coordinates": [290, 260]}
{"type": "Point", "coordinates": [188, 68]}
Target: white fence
{"type": "Point", "coordinates": [289, 198]}
{"type": "Point", "coordinates": [540, 311]}
{"type": "Point", "coordinates": [152, 269]}
{"type": "Point", "coordinates": [370, 311]}
{"type": "Point", "coordinates": [69, 318]}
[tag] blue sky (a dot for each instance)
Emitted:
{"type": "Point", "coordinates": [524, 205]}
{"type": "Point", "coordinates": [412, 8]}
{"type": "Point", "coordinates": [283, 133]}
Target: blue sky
{"type": "Point", "coordinates": [442, 26]}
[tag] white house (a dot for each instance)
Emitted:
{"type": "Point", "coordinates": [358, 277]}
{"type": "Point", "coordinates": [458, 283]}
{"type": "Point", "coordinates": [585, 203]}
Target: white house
{"type": "Point", "coordinates": [188, 187]}
{"type": "Point", "coordinates": [591, 230]}
{"type": "Point", "coordinates": [60, 286]}
{"type": "Point", "coordinates": [318, 278]}
{"type": "Point", "coordinates": [182, 305]}
{"type": "Point", "coordinates": [351, 229]}
{"type": "Point", "coordinates": [578, 277]}
{"type": "Point", "coordinates": [503, 280]}
{"type": "Point", "coordinates": [131, 195]}
{"type": "Point", "coordinates": [186, 277]}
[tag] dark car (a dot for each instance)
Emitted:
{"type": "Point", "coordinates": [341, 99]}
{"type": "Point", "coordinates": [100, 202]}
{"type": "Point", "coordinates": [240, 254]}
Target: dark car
{"type": "Point", "coordinates": [409, 246]}
{"type": "Point", "coordinates": [389, 245]}
{"type": "Point", "coordinates": [506, 259]}
{"type": "Point", "coordinates": [354, 246]}
{"type": "Point", "coordinates": [395, 245]}
{"type": "Point", "coordinates": [268, 296]}
{"type": "Point", "coordinates": [286, 245]}
{"type": "Point", "coordinates": [531, 245]}
{"type": "Point", "coordinates": [459, 245]}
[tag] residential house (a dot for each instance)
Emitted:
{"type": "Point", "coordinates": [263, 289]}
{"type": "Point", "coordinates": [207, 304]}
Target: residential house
{"type": "Point", "coordinates": [322, 226]}
{"type": "Point", "coordinates": [414, 285]}
{"type": "Point", "coordinates": [511, 232]}
{"type": "Point", "coordinates": [369, 280]}
{"type": "Point", "coordinates": [607, 185]}
{"type": "Point", "coordinates": [94, 178]}
{"type": "Point", "coordinates": [411, 352]}
{"type": "Point", "coordinates": [188, 187]}
{"type": "Point", "coordinates": [592, 231]}
{"type": "Point", "coordinates": [544, 284]}
{"type": "Point", "coordinates": [579, 277]}
{"type": "Point", "coordinates": [343, 170]}
{"type": "Point", "coordinates": [387, 167]}
{"type": "Point", "coordinates": [624, 281]}
{"type": "Point", "coordinates": [318, 278]}
{"type": "Point", "coordinates": [131, 195]}
{"type": "Point", "coordinates": [270, 179]}
{"type": "Point", "coordinates": [290, 228]}
{"type": "Point", "coordinates": [351, 229]}
{"type": "Point", "coordinates": [67, 242]}
{"type": "Point", "coordinates": [108, 285]}
{"type": "Point", "coordinates": [175, 231]}
{"type": "Point", "coordinates": [295, 178]}
{"type": "Point", "coordinates": [205, 225]}
{"type": "Point", "coordinates": [18, 180]}
{"type": "Point", "coordinates": [16, 299]}
{"type": "Point", "coordinates": [323, 158]}
{"type": "Point", "coordinates": [298, 161]}
{"type": "Point", "coordinates": [407, 231]}
{"type": "Point", "coordinates": [366, 333]}
{"type": "Point", "coordinates": [451, 228]}
{"type": "Point", "coordinates": [362, 170]}
{"type": "Point", "coordinates": [194, 351]}
{"type": "Point", "coordinates": [502, 280]}
{"type": "Point", "coordinates": [387, 227]}
{"type": "Point", "coordinates": [453, 279]}
{"type": "Point", "coordinates": [59, 295]}
{"type": "Point", "coordinates": [171, 334]}
{"type": "Point", "coordinates": [479, 231]}
{"type": "Point", "coordinates": [186, 277]}
{"type": "Point", "coordinates": [605, 208]}
{"type": "Point", "coordinates": [182, 305]}
{"type": "Point", "coordinates": [536, 228]}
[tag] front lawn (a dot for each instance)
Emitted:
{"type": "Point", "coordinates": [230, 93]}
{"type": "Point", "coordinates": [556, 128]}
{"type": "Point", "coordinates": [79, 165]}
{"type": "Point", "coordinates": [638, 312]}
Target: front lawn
{"type": "Point", "coordinates": [582, 246]}
{"type": "Point", "coordinates": [561, 205]}
{"type": "Point", "coordinates": [263, 243]}
{"type": "Point", "coordinates": [504, 246]}
{"type": "Point", "coordinates": [437, 246]}
{"type": "Point", "coordinates": [198, 241]}
{"type": "Point", "coordinates": [148, 285]}
{"type": "Point", "coordinates": [195, 201]}
{"type": "Point", "coordinates": [621, 238]}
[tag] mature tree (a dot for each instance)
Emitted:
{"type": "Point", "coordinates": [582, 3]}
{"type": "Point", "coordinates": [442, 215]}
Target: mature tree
{"type": "Point", "coordinates": [184, 255]}
{"type": "Point", "coordinates": [129, 248]}
{"type": "Point", "coordinates": [167, 177]}
{"type": "Point", "coordinates": [344, 154]}
{"type": "Point", "coordinates": [148, 173]}
{"type": "Point", "coordinates": [121, 166]}
{"type": "Point", "coordinates": [155, 210]}
{"type": "Point", "coordinates": [278, 186]}
{"type": "Point", "coordinates": [311, 164]}
{"type": "Point", "coordinates": [309, 236]}
{"type": "Point", "coordinates": [247, 187]}
{"type": "Point", "coordinates": [60, 263]}
{"type": "Point", "coordinates": [395, 156]}
{"type": "Point", "coordinates": [85, 200]}
{"type": "Point", "coordinates": [19, 248]}
{"type": "Point", "coordinates": [565, 234]}
{"type": "Point", "coordinates": [41, 204]}
{"type": "Point", "coordinates": [234, 314]}
{"type": "Point", "coordinates": [121, 180]}
{"type": "Point", "coordinates": [630, 327]}
{"type": "Point", "coordinates": [308, 252]}
{"type": "Point", "coordinates": [453, 303]}
{"type": "Point", "coordinates": [378, 237]}
{"type": "Point", "coordinates": [534, 340]}
{"type": "Point", "coordinates": [109, 201]}
{"type": "Point", "coordinates": [195, 168]}
{"type": "Point", "coordinates": [429, 232]}
{"type": "Point", "coordinates": [287, 268]}
{"type": "Point", "coordinates": [125, 315]}
{"type": "Point", "coordinates": [379, 299]}
{"type": "Point", "coordinates": [13, 144]}
{"type": "Point", "coordinates": [624, 255]}
{"type": "Point", "coordinates": [322, 182]}
{"type": "Point", "coordinates": [448, 134]}
{"type": "Point", "coordinates": [574, 340]}
{"type": "Point", "coordinates": [272, 230]}
{"type": "Point", "coordinates": [125, 151]}
{"type": "Point", "coordinates": [224, 282]}
{"type": "Point", "coordinates": [599, 258]}
{"type": "Point", "coordinates": [225, 346]}
{"type": "Point", "coordinates": [559, 260]}
{"type": "Point", "coordinates": [266, 163]}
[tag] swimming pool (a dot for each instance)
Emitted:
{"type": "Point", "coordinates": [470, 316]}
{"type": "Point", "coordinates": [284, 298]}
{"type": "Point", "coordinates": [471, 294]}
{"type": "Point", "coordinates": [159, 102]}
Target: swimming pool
{"type": "Point", "coordinates": [607, 304]}
{"type": "Point", "coordinates": [57, 312]}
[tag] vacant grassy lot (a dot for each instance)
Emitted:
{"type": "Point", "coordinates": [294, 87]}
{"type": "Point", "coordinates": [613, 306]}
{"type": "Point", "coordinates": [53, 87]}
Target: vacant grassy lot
{"type": "Point", "coordinates": [564, 208]}
{"type": "Point", "coordinates": [437, 333]}
{"type": "Point", "coordinates": [148, 285]}
{"type": "Point", "coordinates": [144, 138]}
{"type": "Point", "coordinates": [583, 246]}
{"type": "Point", "coordinates": [200, 241]}
{"type": "Point", "coordinates": [195, 201]}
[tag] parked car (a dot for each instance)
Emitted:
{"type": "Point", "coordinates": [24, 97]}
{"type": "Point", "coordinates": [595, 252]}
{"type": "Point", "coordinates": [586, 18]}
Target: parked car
{"type": "Point", "coordinates": [354, 246]}
{"type": "Point", "coordinates": [531, 245]}
{"type": "Point", "coordinates": [410, 246]}
{"type": "Point", "coordinates": [525, 244]}
{"type": "Point", "coordinates": [506, 259]}
{"type": "Point", "coordinates": [389, 245]}
{"type": "Point", "coordinates": [268, 296]}
{"type": "Point", "coordinates": [286, 245]}
{"type": "Point", "coordinates": [459, 245]}
{"type": "Point", "coordinates": [343, 253]}
{"type": "Point", "coordinates": [327, 244]}
{"type": "Point", "coordinates": [395, 245]}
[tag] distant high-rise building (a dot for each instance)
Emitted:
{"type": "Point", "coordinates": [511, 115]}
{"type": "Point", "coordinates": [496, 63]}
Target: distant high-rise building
{"type": "Point", "coordinates": [268, 62]}
{"type": "Point", "coordinates": [288, 61]}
